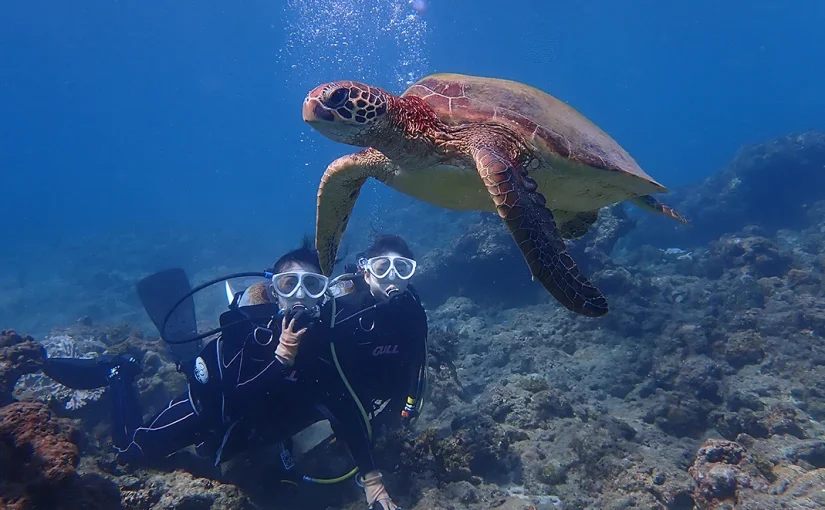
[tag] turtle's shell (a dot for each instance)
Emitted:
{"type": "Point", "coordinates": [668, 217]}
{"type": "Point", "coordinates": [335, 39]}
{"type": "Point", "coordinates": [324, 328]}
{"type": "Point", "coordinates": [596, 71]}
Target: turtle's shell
{"type": "Point", "coordinates": [547, 123]}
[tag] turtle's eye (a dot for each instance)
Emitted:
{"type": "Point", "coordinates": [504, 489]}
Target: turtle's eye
{"type": "Point", "coordinates": [337, 98]}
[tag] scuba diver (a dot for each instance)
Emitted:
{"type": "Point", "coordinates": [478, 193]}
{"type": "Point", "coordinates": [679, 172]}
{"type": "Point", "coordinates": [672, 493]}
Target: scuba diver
{"type": "Point", "coordinates": [242, 360]}
{"type": "Point", "coordinates": [381, 330]}
{"type": "Point", "coordinates": [245, 389]}
{"type": "Point", "coordinates": [379, 347]}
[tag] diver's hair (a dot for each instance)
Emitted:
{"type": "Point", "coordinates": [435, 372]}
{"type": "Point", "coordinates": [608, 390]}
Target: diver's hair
{"type": "Point", "coordinates": [306, 255]}
{"type": "Point", "coordinates": [386, 243]}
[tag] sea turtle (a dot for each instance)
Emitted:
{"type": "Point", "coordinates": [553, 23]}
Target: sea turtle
{"type": "Point", "coordinates": [485, 144]}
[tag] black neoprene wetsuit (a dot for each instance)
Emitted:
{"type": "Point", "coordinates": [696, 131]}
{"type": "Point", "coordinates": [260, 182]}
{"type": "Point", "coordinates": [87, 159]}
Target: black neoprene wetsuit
{"type": "Point", "coordinates": [381, 351]}
{"type": "Point", "coordinates": [241, 395]}
{"type": "Point", "coordinates": [382, 347]}
{"type": "Point", "coordinates": [230, 377]}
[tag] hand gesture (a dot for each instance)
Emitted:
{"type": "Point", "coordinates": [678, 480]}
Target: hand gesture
{"type": "Point", "coordinates": [290, 337]}
{"type": "Point", "coordinates": [288, 346]}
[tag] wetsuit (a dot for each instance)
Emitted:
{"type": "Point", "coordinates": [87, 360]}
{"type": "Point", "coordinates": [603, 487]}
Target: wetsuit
{"type": "Point", "coordinates": [240, 395]}
{"type": "Point", "coordinates": [380, 348]}
{"type": "Point", "coordinates": [219, 411]}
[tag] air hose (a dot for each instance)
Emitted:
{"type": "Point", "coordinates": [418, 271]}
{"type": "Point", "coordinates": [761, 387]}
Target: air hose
{"type": "Point", "coordinates": [364, 415]}
{"type": "Point", "coordinates": [261, 274]}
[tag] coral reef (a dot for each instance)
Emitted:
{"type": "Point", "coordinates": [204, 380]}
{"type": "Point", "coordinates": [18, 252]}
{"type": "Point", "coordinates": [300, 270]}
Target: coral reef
{"type": "Point", "coordinates": [180, 489]}
{"type": "Point", "coordinates": [40, 387]}
{"type": "Point", "coordinates": [703, 388]}
{"type": "Point", "coordinates": [728, 475]}
{"type": "Point", "coordinates": [19, 356]}
{"type": "Point", "coordinates": [772, 184]}
{"type": "Point", "coordinates": [483, 262]}
{"type": "Point", "coordinates": [726, 342]}
{"type": "Point", "coordinates": [39, 449]}
{"type": "Point", "coordinates": [593, 251]}
{"type": "Point", "coordinates": [38, 463]}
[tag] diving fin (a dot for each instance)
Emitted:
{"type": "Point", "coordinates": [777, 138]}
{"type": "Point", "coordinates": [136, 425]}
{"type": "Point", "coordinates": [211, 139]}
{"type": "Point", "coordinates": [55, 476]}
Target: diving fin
{"type": "Point", "coordinates": [91, 373]}
{"type": "Point", "coordinates": [78, 373]}
{"type": "Point", "coordinates": [158, 293]}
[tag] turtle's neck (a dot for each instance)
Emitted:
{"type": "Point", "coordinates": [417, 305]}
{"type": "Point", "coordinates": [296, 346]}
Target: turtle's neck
{"type": "Point", "coordinates": [414, 130]}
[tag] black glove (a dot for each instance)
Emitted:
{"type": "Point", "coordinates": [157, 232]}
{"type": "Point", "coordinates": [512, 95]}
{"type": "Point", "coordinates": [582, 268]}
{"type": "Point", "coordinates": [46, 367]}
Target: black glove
{"type": "Point", "coordinates": [303, 319]}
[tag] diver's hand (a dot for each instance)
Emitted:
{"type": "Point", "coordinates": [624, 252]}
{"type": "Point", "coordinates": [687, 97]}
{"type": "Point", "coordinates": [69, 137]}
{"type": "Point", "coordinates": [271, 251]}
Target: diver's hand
{"type": "Point", "coordinates": [302, 318]}
{"type": "Point", "coordinates": [377, 497]}
{"type": "Point", "coordinates": [290, 339]}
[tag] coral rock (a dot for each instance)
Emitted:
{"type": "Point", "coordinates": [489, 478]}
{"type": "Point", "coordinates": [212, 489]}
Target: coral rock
{"type": "Point", "coordinates": [181, 490]}
{"type": "Point", "coordinates": [769, 184]}
{"type": "Point", "coordinates": [19, 355]}
{"type": "Point", "coordinates": [593, 250]}
{"type": "Point", "coordinates": [478, 448]}
{"type": "Point", "coordinates": [722, 469]}
{"type": "Point", "coordinates": [38, 451]}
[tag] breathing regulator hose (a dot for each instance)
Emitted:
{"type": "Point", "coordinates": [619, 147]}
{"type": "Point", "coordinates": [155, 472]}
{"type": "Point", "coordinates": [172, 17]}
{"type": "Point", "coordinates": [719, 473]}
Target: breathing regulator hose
{"type": "Point", "coordinates": [364, 415]}
{"type": "Point", "coordinates": [164, 324]}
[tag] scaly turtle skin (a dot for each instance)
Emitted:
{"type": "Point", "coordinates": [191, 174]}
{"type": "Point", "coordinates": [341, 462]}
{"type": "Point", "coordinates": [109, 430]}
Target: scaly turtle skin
{"type": "Point", "coordinates": [469, 143]}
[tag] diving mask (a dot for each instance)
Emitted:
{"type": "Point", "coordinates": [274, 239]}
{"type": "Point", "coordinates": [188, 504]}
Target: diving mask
{"type": "Point", "coordinates": [293, 283]}
{"type": "Point", "coordinates": [387, 265]}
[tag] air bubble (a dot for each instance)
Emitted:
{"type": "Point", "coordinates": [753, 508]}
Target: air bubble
{"type": "Point", "coordinates": [372, 40]}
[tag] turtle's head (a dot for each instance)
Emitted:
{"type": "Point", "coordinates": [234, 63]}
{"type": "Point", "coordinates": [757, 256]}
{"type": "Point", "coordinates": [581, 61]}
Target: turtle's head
{"type": "Point", "coordinates": [348, 112]}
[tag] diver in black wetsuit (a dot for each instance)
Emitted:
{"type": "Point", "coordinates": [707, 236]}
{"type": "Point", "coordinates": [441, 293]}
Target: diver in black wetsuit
{"type": "Point", "coordinates": [380, 334]}
{"type": "Point", "coordinates": [381, 329]}
{"type": "Point", "coordinates": [371, 372]}
{"type": "Point", "coordinates": [246, 389]}
{"type": "Point", "coordinates": [260, 334]}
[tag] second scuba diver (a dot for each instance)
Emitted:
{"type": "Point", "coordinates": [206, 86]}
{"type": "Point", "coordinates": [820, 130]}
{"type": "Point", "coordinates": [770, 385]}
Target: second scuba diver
{"type": "Point", "coordinates": [379, 332]}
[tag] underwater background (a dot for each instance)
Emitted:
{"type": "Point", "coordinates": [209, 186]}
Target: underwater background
{"type": "Point", "coordinates": [139, 135]}
{"type": "Point", "coordinates": [136, 136]}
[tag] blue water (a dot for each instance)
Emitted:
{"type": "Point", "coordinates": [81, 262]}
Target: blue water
{"type": "Point", "coordinates": [139, 134]}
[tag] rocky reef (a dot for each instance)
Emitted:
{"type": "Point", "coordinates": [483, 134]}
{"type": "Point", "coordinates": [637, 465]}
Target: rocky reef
{"type": "Point", "coordinates": [483, 263]}
{"type": "Point", "coordinates": [19, 356]}
{"type": "Point", "coordinates": [772, 184]}
{"type": "Point", "coordinates": [39, 451]}
{"type": "Point", "coordinates": [704, 387]}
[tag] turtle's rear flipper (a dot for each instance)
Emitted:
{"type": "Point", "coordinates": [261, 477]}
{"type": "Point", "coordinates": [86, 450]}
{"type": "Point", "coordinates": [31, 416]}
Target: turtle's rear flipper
{"type": "Point", "coordinates": [574, 225]}
{"type": "Point", "coordinates": [533, 228]}
{"type": "Point", "coordinates": [158, 293]}
{"type": "Point", "coordinates": [650, 204]}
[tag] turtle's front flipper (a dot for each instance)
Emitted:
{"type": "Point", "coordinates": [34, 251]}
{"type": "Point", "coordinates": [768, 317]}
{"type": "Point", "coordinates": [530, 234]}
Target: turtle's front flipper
{"type": "Point", "coordinates": [650, 204]}
{"type": "Point", "coordinates": [340, 186]}
{"type": "Point", "coordinates": [533, 228]}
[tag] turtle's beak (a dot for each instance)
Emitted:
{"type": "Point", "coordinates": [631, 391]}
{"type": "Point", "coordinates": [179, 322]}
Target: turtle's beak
{"type": "Point", "coordinates": [315, 112]}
